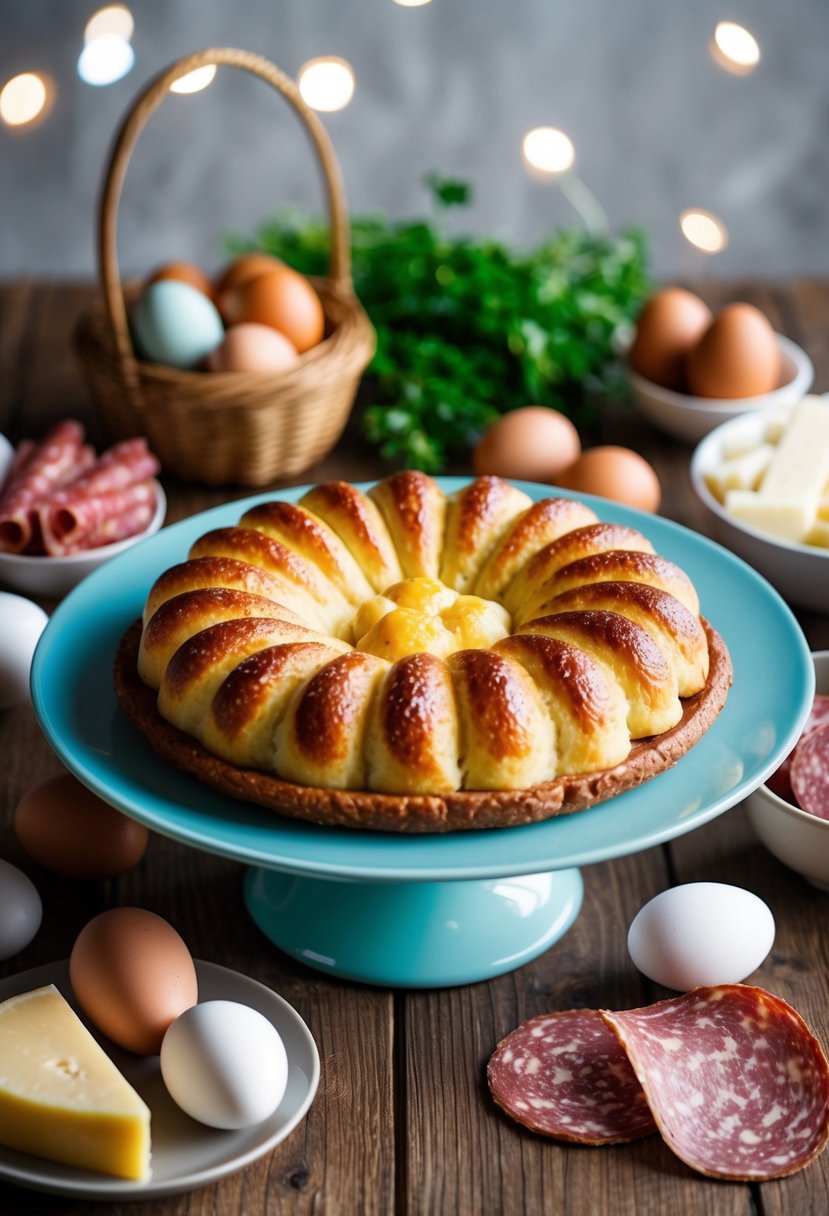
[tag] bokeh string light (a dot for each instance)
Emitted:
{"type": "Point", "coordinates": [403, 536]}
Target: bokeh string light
{"type": "Point", "coordinates": [24, 99]}
{"type": "Point", "coordinates": [107, 55]}
{"type": "Point", "coordinates": [327, 83]}
{"type": "Point", "coordinates": [115, 21]}
{"type": "Point", "coordinates": [550, 152]}
{"type": "Point", "coordinates": [734, 48]}
{"type": "Point", "coordinates": [105, 60]}
{"type": "Point", "coordinates": [703, 230]}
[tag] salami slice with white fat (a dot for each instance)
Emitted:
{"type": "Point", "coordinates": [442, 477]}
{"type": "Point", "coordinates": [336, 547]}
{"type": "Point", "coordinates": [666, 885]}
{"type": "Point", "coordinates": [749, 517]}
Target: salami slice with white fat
{"type": "Point", "coordinates": [736, 1081]}
{"type": "Point", "coordinates": [810, 772]}
{"type": "Point", "coordinates": [98, 519]}
{"type": "Point", "coordinates": [566, 1075]}
{"type": "Point", "coordinates": [59, 456]}
{"type": "Point", "coordinates": [68, 515]}
{"type": "Point", "coordinates": [780, 782]}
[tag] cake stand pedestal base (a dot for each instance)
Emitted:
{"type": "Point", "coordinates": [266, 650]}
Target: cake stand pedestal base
{"type": "Point", "coordinates": [414, 934]}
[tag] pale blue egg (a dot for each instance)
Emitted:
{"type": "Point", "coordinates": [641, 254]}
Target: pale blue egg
{"type": "Point", "coordinates": [176, 324]}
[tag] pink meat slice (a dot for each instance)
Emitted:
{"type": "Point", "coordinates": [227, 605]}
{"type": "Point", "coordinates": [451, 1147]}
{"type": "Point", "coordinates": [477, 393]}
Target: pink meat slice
{"type": "Point", "coordinates": [810, 772]}
{"type": "Point", "coordinates": [566, 1075]}
{"type": "Point", "coordinates": [780, 782]}
{"type": "Point", "coordinates": [102, 519]}
{"type": "Point", "coordinates": [737, 1083]}
{"type": "Point", "coordinates": [65, 516]}
{"type": "Point", "coordinates": [56, 458]}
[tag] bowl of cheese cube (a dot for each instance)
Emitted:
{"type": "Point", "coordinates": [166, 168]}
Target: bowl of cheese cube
{"type": "Point", "coordinates": [763, 481]}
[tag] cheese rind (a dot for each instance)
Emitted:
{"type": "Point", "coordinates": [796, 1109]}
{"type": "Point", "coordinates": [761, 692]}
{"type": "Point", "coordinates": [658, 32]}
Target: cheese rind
{"type": "Point", "coordinates": [61, 1096]}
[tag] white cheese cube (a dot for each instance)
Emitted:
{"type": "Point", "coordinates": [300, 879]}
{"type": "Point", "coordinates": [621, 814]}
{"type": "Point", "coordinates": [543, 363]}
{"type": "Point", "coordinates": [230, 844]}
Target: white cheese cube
{"type": "Point", "coordinates": [788, 518]}
{"type": "Point", "coordinates": [819, 535]}
{"type": "Point", "coordinates": [742, 472]}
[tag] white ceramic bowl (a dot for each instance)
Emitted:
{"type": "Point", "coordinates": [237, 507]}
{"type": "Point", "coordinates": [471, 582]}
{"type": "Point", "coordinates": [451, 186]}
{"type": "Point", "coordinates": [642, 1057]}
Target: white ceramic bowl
{"type": "Point", "coordinates": [690, 418]}
{"type": "Point", "coordinates": [799, 572]}
{"type": "Point", "coordinates": [52, 577]}
{"type": "Point", "coordinates": [799, 840]}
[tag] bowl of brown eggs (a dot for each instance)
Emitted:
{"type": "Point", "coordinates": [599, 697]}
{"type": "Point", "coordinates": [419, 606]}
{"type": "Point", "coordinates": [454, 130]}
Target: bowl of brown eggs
{"type": "Point", "coordinates": [691, 370]}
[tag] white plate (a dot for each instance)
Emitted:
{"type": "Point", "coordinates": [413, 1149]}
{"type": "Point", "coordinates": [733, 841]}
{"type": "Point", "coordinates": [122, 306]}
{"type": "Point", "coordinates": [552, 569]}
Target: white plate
{"type": "Point", "coordinates": [185, 1154]}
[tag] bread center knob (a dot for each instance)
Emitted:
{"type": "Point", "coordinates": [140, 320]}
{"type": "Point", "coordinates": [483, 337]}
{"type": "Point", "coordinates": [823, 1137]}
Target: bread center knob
{"type": "Point", "coordinates": [424, 614]}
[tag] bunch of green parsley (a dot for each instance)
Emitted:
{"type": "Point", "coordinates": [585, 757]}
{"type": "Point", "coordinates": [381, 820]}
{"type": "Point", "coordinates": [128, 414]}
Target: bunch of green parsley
{"type": "Point", "coordinates": [468, 328]}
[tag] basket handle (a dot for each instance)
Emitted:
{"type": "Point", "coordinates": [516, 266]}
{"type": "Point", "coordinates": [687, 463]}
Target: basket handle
{"type": "Point", "coordinates": [143, 107]}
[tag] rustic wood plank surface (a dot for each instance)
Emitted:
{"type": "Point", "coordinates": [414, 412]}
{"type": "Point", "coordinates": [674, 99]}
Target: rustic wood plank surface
{"type": "Point", "coordinates": [402, 1122]}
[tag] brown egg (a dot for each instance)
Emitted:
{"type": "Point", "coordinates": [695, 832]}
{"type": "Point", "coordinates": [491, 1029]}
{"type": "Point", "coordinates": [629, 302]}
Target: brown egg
{"type": "Point", "coordinates": [246, 266]}
{"type": "Point", "coordinates": [68, 829]}
{"type": "Point", "coordinates": [669, 325]}
{"type": "Point", "coordinates": [616, 473]}
{"type": "Point", "coordinates": [283, 299]}
{"type": "Point", "coordinates": [252, 348]}
{"type": "Point", "coordinates": [533, 443]}
{"type": "Point", "coordinates": [132, 975]}
{"type": "Point", "coordinates": [737, 356]}
{"type": "Point", "coordinates": [184, 272]}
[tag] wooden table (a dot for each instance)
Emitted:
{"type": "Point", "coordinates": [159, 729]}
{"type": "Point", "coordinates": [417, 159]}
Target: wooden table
{"type": "Point", "coordinates": [402, 1122]}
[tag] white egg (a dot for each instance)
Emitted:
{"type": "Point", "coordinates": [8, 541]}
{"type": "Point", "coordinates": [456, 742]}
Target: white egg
{"type": "Point", "coordinates": [224, 1064]}
{"type": "Point", "coordinates": [21, 624]}
{"type": "Point", "coordinates": [20, 910]}
{"type": "Point", "coordinates": [6, 458]}
{"type": "Point", "coordinates": [699, 934]}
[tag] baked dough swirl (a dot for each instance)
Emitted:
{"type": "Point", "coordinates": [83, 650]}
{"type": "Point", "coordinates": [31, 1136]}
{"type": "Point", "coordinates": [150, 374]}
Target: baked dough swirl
{"type": "Point", "coordinates": [408, 643]}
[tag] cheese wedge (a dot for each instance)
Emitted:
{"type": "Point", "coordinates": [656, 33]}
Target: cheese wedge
{"type": "Point", "coordinates": [61, 1096]}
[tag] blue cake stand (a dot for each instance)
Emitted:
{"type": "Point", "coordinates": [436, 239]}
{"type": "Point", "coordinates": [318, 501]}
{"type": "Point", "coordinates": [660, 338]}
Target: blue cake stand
{"type": "Point", "coordinates": [423, 911]}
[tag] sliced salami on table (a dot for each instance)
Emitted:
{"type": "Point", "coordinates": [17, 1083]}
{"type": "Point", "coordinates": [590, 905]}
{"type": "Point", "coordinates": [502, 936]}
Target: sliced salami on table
{"type": "Point", "coordinates": [810, 772]}
{"type": "Point", "coordinates": [566, 1075]}
{"type": "Point", "coordinates": [736, 1081]}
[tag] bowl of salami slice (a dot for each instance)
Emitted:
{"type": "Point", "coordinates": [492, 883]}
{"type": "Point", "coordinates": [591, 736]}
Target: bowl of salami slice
{"type": "Point", "coordinates": [64, 509]}
{"type": "Point", "coordinates": [790, 813]}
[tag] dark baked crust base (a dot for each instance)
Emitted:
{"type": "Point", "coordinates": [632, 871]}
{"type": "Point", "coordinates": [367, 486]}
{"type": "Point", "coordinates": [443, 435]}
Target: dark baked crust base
{"type": "Point", "coordinates": [420, 813]}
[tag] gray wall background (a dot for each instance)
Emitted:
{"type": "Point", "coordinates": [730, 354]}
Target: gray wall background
{"type": "Point", "coordinates": [452, 87]}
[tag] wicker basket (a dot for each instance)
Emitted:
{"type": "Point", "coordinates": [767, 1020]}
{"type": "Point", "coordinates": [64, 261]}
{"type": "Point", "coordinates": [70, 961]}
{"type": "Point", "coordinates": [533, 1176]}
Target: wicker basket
{"type": "Point", "coordinates": [221, 428]}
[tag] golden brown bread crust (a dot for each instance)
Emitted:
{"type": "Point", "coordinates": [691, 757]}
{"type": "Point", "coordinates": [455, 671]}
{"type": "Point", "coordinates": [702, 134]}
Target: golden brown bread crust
{"type": "Point", "coordinates": [311, 539]}
{"type": "Point", "coordinates": [360, 526]}
{"type": "Point", "coordinates": [533, 584]}
{"type": "Point", "coordinates": [631, 655]}
{"type": "Point", "coordinates": [625, 565]}
{"type": "Point", "coordinates": [477, 517]}
{"type": "Point", "coordinates": [423, 813]}
{"type": "Point", "coordinates": [540, 525]}
{"type": "Point", "coordinates": [414, 511]}
{"type": "Point", "coordinates": [677, 632]}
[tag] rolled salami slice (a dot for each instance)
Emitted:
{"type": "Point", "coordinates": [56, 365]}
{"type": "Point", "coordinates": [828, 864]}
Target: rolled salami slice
{"type": "Point", "coordinates": [64, 516]}
{"type": "Point", "coordinates": [566, 1075]}
{"type": "Point", "coordinates": [99, 519]}
{"type": "Point", "coordinates": [737, 1083]}
{"type": "Point", "coordinates": [810, 772]}
{"type": "Point", "coordinates": [57, 457]}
